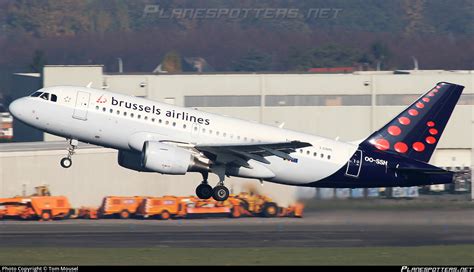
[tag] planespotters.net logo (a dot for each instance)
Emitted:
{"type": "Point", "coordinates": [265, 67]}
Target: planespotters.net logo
{"type": "Point", "coordinates": [241, 13]}
{"type": "Point", "coordinates": [406, 268]}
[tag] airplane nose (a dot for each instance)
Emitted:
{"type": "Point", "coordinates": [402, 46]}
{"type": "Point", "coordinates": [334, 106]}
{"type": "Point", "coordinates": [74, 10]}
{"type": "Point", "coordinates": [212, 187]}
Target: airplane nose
{"type": "Point", "coordinates": [15, 108]}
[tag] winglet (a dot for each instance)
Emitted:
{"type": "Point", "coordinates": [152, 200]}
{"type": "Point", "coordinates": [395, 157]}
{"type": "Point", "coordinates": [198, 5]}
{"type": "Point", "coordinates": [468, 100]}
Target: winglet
{"type": "Point", "coordinates": [89, 85]}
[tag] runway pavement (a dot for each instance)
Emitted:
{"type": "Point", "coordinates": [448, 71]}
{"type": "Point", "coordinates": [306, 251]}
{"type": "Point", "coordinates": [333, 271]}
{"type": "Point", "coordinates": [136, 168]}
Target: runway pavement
{"type": "Point", "coordinates": [316, 229]}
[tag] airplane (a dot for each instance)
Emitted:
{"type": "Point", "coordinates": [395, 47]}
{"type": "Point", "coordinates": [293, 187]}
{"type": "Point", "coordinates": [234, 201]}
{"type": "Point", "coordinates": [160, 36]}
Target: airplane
{"type": "Point", "coordinates": [167, 139]}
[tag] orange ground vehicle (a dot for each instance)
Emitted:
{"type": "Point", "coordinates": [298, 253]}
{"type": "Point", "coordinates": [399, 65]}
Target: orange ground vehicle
{"type": "Point", "coordinates": [88, 213]}
{"type": "Point", "coordinates": [295, 210]}
{"type": "Point", "coordinates": [260, 205]}
{"type": "Point", "coordinates": [181, 207]}
{"type": "Point", "coordinates": [42, 207]}
{"type": "Point", "coordinates": [122, 206]}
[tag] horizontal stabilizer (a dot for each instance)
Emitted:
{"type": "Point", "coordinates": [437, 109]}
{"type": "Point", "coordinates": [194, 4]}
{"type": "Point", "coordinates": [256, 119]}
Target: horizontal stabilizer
{"type": "Point", "coordinates": [423, 170]}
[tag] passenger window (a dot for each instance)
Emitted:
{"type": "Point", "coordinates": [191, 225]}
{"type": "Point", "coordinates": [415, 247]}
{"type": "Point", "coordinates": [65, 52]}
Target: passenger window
{"type": "Point", "coordinates": [307, 152]}
{"type": "Point", "coordinates": [54, 98]}
{"type": "Point", "coordinates": [314, 154]}
{"type": "Point", "coordinates": [322, 155]}
{"type": "Point", "coordinates": [45, 96]}
{"type": "Point", "coordinates": [329, 157]}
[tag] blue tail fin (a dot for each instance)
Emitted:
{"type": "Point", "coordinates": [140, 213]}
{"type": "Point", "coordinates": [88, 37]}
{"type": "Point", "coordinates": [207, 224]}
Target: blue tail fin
{"type": "Point", "coordinates": [415, 132]}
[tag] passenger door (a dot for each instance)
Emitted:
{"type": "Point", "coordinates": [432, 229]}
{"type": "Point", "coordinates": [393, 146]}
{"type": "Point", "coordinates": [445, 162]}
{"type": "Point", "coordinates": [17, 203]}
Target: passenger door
{"type": "Point", "coordinates": [82, 104]}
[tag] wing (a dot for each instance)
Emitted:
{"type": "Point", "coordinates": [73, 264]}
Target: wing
{"type": "Point", "coordinates": [239, 154]}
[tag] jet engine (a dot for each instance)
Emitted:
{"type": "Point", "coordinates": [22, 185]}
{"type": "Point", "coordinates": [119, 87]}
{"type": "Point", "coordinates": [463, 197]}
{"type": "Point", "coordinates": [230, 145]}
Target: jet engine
{"type": "Point", "coordinates": [131, 160]}
{"type": "Point", "coordinates": [169, 159]}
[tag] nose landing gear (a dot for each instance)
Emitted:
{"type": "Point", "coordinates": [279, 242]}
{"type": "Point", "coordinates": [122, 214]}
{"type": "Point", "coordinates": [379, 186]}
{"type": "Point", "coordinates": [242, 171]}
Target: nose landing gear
{"type": "Point", "coordinates": [66, 162]}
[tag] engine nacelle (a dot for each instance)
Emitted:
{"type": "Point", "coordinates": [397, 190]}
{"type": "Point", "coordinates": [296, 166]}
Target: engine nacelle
{"type": "Point", "coordinates": [166, 159]}
{"type": "Point", "coordinates": [131, 160]}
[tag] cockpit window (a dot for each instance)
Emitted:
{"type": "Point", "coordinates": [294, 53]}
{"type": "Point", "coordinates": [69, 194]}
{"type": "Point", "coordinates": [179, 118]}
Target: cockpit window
{"type": "Point", "coordinates": [45, 96]}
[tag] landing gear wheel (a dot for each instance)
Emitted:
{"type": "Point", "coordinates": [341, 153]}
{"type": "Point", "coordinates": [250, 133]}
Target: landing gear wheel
{"type": "Point", "coordinates": [220, 193]}
{"type": "Point", "coordinates": [204, 191]}
{"type": "Point", "coordinates": [66, 162]}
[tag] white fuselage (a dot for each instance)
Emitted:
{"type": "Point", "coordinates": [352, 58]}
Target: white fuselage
{"type": "Point", "coordinates": [125, 122]}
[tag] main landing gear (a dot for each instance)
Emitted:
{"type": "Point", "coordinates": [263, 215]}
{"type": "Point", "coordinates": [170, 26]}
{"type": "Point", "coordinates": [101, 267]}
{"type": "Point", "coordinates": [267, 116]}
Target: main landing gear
{"type": "Point", "coordinates": [205, 191]}
{"type": "Point", "coordinates": [66, 162]}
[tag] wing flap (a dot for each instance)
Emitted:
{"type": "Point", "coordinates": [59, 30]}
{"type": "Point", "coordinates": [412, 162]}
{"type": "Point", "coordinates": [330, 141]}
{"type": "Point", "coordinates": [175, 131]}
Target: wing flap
{"type": "Point", "coordinates": [238, 153]}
